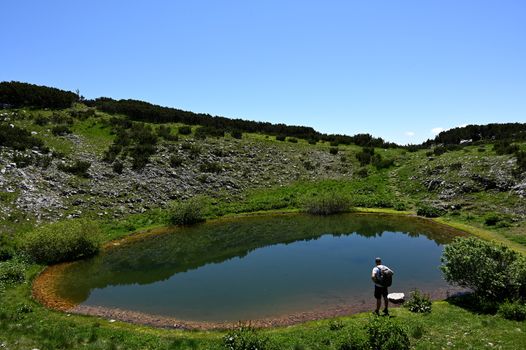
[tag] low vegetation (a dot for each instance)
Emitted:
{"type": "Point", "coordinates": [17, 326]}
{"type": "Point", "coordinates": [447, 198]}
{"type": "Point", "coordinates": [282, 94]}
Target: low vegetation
{"type": "Point", "coordinates": [494, 272]}
{"type": "Point", "coordinates": [448, 177]}
{"type": "Point", "coordinates": [327, 204]}
{"type": "Point", "coordinates": [187, 213]}
{"type": "Point", "coordinates": [62, 241]}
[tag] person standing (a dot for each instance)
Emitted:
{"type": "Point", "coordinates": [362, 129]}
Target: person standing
{"type": "Point", "coordinates": [380, 285]}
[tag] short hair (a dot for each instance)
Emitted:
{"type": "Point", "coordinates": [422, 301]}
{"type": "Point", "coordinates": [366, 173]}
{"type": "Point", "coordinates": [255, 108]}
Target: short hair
{"type": "Point", "coordinates": [378, 259]}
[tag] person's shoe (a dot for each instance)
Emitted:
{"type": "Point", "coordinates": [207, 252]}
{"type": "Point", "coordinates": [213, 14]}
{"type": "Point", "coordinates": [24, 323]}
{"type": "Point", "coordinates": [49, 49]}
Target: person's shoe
{"type": "Point", "coordinates": [376, 313]}
{"type": "Point", "coordinates": [386, 312]}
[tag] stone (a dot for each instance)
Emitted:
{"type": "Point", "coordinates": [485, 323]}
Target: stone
{"type": "Point", "coordinates": [396, 298]}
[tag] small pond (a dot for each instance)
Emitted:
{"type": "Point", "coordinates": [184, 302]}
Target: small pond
{"type": "Point", "coordinates": [260, 267]}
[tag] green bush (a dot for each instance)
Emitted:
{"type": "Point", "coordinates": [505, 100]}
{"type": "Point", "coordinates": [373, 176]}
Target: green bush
{"type": "Point", "coordinates": [281, 137]}
{"type": "Point", "coordinates": [386, 334]}
{"type": "Point", "coordinates": [364, 157]}
{"type": "Point", "coordinates": [379, 163]}
{"type": "Point", "coordinates": [292, 140]}
{"type": "Point", "coordinates": [362, 172]}
{"type": "Point", "coordinates": [419, 302]}
{"type": "Point", "coordinates": [211, 167]}
{"type": "Point", "coordinates": [60, 130]}
{"type": "Point", "coordinates": [176, 161]}
{"type": "Point", "coordinates": [492, 271]}
{"type": "Point", "coordinates": [62, 241]}
{"type": "Point", "coordinates": [12, 271]}
{"type": "Point", "coordinates": [203, 131]}
{"type": "Point", "coordinates": [327, 204]}
{"type": "Point", "coordinates": [187, 213]}
{"type": "Point", "coordinates": [492, 219]}
{"type": "Point", "coordinates": [118, 167]}
{"type": "Point", "coordinates": [237, 134]}
{"type": "Point", "coordinates": [513, 310]}
{"type": "Point", "coordinates": [184, 130]}
{"type": "Point", "coordinates": [429, 211]}
{"type": "Point", "coordinates": [244, 338]}
{"type": "Point", "coordinates": [79, 168]}
{"type": "Point", "coordinates": [333, 150]}
{"type": "Point", "coordinates": [18, 138]}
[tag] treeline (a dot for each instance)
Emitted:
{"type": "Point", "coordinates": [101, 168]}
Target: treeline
{"type": "Point", "coordinates": [474, 133]}
{"type": "Point", "coordinates": [147, 112]}
{"type": "Point", "coordinates": [16, 94]}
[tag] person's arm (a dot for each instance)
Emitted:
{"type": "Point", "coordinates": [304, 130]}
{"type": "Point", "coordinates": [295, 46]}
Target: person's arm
{"type": "Point", "coordinates": [373, 275]}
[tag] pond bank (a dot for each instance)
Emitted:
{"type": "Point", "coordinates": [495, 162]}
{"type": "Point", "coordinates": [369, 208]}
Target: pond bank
{"type": "Point", "coordinates": [46, 291]}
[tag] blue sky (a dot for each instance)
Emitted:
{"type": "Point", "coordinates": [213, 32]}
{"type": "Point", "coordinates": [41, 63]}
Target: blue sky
{"type": "Point", "coordinates": [394, 69]}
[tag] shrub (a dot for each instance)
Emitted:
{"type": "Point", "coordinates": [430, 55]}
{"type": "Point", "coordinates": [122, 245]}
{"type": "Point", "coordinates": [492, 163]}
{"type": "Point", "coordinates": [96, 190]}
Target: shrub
{"type": "Point", "coordinates": [364, 157]}
{"type": "Point", "coordinates": [492, 271]}
{"type": "Point", "coordinates": [211, 167]}
{"type": "Point", "coordinates": [362, 172]}
{"type": "Point", "coordinates": [175, 161]}
{"type": "Point", "coordinates": [118, 167]}
{"type": "Point", "coordinates": [419, 302]}
{"type": "Point", "coordinates": [437, 151]}
{"type": "Point", "coordinates": [237, 134]}
{"type": "Point", "coordinates": [492, 219]}
{"type": "Point", "coordinates": [203, 131]}
{"type": "Point", "coordinates": [430, 211]}
{"type": "Point", "coordinates": [281, 137]}
{"type": "Point", "coordinates": [333, 150]}
{"type": "Point", "coordinates": [292, 140]}
{"type": "Point", "coordinates": [327, 204]}
{"type": "Point", "coordinates": [60, 130]}
{"type": "Point", "coordinates": [380, 163]}
{"type": "Point", "coordinates": [513, 310]}
{"type": "Point", "coordinates": [18, 138]}
{"type": "Point", "coordinates": [187, 213]}
{"type": "Point", "coordinates": [41, 120]}
{"type": "Point", "coordinates": [62, 241]}
{"type": "Point", "coordinates": [79, 168]}
{"type": "Point", "coordinates": [455, 166]}
{"type": "Point", "coordinates": [308, 165]}
{"type": "Point", "coordinates": [12, 271]}
{"type": "Point", "coordinates": [312, 141]}
{"type": "Point", "coordinates": [184, 130]}
{"type": "Point", "coordinates": [386, 334]}
{"type": "Point", "coordinates": [399, 206]}
{"type": "Point", "coordinates": [521, 161]}
{"type": "Point", "coordinates": [504, 147]}
{"type": "Point", "coordinates": [244, 338]}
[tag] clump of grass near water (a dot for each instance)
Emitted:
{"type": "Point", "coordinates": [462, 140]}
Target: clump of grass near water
{"type": "Point", "coordinates": [62, 241]}
{"type": "Point", "coordinates": [187, 213]}
{"type": "Point", "coordinates": [327, 204]}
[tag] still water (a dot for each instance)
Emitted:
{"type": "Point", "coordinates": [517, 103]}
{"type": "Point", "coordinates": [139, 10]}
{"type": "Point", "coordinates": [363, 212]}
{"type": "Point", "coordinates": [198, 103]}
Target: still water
{"type": "Point", "coordinates": [260, 267]}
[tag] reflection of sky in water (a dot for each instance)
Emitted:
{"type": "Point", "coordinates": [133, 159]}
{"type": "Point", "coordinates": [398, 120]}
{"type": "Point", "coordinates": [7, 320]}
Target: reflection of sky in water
{"type": "Point", "coordinates": [281, 277]}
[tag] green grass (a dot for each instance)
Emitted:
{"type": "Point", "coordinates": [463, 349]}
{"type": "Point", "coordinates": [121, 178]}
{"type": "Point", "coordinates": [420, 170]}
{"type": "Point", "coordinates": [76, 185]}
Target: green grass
{"type": "Point", "coordinates": [25, 325]}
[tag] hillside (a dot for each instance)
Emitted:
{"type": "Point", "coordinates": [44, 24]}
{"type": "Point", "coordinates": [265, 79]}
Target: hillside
{"type": "Point", "coordinates": [79, 161]}
{"type": "Point", "coordinates": [126, 174]}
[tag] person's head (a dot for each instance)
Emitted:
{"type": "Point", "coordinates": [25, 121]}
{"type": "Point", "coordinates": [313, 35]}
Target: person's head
{"type": "Point", "coordinates": [378, 261]}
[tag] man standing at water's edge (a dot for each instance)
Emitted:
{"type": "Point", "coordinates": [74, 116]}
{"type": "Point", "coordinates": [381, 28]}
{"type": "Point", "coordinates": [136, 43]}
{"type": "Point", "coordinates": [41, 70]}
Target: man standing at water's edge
{"type": "Point", "coordinates": [380, 286]}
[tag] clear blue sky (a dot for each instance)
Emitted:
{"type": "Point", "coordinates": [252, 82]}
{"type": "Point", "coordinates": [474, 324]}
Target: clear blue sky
{"type": "Point", "coordinates": [395, 69]}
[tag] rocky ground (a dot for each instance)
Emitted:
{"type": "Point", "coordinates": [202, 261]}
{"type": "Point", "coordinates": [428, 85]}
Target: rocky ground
{"type": "Point", "coordinates": [50, 193]}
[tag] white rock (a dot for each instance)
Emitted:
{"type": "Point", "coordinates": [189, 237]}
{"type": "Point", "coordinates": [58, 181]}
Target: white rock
{"type": "Point", "coordinates": [396, 298]}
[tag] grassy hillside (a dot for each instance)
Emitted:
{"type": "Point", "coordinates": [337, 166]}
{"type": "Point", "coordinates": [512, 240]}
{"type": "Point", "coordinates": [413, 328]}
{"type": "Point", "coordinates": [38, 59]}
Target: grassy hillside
{"type": "Point", "coordinates": [72, 171]}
